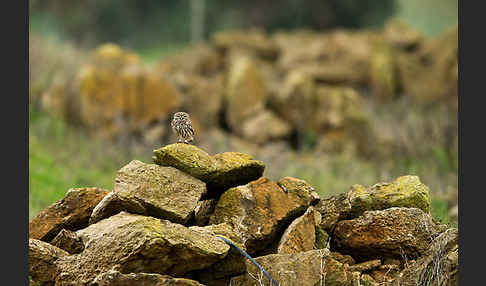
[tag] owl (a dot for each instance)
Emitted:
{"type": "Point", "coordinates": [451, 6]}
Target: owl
{"type": "Point", "coordinates": [182, 127]}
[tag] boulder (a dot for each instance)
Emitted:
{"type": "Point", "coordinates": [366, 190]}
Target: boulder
{"type": "Point", "coordinates": [438, 266]}
{"type": "Point", "coordinates": [198, 59]}
{"type": "Point", "coordinates": [134, 243]}
{"type": "Point", "coordinates": [258, 211]}
{"type": "Point", "coordinates": [299, 189]}
{"type": "Point", "coordinates": [116, 278]}
{"type": "Point", "coordinates": [337, 57]}
{"type": "Point", "coordinates": [314, 267]}
{"type": "Point", "coordinates": [150, 189]}
{"type": "Point", "coordinates": [274, 128]}
{"type": "Point", "coordinates": [383, 70]}
{"type": "Point", "coordinates": [219, 172]}
{"type": "Point", "coordinates": [71, 212]}
{"type": "Point", "coordinates": [118, 95]}
{"type": "Point", "coordinates": [245, 92]}
{"type": "Point", "coordinates": [68, 241]}
{"type": "Point", "coordinates": [233, 264]}
{"type": "Point", "coordinates": [254, 41]}
{"type": "Point", "coordinates": [42, 261]}
{"type": "Point", "coordinates": [404, 191]}
{"type": "Point", "coordinates": [391, 233]}
{"type": "Point", "coordinates": [300, 235]}
{"type": "Point", "coordinates": [202, 98]}
{"type": "Point", "coordinates": [294, 99]}
{"type": "Point", "coordinates": [365, 266]}
{"type": "Point", "coordinates": [401, 36]}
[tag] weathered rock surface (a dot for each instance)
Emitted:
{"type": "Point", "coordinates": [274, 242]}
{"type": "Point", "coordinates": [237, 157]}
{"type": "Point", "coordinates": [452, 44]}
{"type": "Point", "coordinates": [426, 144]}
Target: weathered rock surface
{"type": "Point", "coordinates": [259, 210]}
{"type": "Point", "coordinates": [404, 191]}
{"type": "Point", "coordinates": [253, 41]}
{"type": "Point", "coordinates": [300, 235]}
{"type": "Point", "coordinates": [203, 211]}
{"type": "Point", "coordinates": [365, 266]}
{"type": "Point", "coordinates": [221, 171]}
{"type": "Point", "coordinates": [116, 278]}
{"type": "Point", "coordinates": [393, 233]}
{"type": "Point", "coordinates": [114, 83]}
{"type": "Point", "coordinates": [68, 241]}
{"type": "Point", "coordinates": [71, 213]}
{"type": "Point", "coordinates": [150, 189]}
{"type": "Point", "coordinates": [438, 266]}
{"type": "Point", "coordinates": [42, 261]}
{"type": "Point", "coordinates": [315, 267]}
{"type": "Point", "coordinates": [245, 91]}
{"type": "Point", "coordinates": [233, 264]}
{"type": "Point", "coordinates": [275, 128]}
{"type": "Point", "coordinates": [134, 243]}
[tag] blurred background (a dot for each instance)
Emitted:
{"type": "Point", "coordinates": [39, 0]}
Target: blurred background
{"type": "Point", "coordinates": [335, 92]}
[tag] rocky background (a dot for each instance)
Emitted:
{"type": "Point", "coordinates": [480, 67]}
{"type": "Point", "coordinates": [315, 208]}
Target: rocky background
{"type": "Point", "coordinates": [159, 226]}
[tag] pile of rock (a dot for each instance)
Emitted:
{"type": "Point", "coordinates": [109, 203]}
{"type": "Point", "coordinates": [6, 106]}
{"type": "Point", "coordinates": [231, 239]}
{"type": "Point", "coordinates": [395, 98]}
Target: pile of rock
{"type": "Point", "coordinates": [159, 226]}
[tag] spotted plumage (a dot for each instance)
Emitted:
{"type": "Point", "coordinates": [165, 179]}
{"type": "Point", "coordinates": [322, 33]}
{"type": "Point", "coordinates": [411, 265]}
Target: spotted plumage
{"type": "Point", "coordinates": [182, 127]}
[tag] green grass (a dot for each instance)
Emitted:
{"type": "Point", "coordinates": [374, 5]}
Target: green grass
{"type": "Point", "coordinates": [61, 157]}
{"type": "Point", "coordinates": [155, 53]}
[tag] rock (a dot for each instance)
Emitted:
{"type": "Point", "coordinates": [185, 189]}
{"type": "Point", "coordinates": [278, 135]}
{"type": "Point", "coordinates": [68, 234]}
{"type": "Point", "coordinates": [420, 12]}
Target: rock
{"type": "Point", "coordinates": [365, 266]}
{"type": "Point", "coordinates": [275, 128]}
{"type": "Point", "coordinates": [203, 211]}
{"type": "Point", "coordinates": [367, 280]}
{"type": "Point", "coordinates": [254, 41]}
{"type": "Point", "coordinates": [71, 212]}
{"type": "Point", "coordinates": [118, 95]}
{"type": "Point", "coordinates": [430, 74]}
{"type": "Point", "coordinates": [115, 278]}
{"type": "Point", "coordinates": [322, 238]}
{"type": "Point", "coordinates": [391, 233]}
{"type": "Point", "coordinates": [42, 261]}
{"type": "Point", "coordinates": [68, 241]}
{"type": "Point", "coordinates": [337, 57]}
{"type": "Point", "coordinates": [245, 93]}
{"type": "Point", "coordinates": [150, 189]}
{"type": "Point", "coordinates": [344, 259]}
{"type": "Point", "coordinates": [202, 99]}
{"type": "Point", "coordinates": [438, 266]}
{"type": "Point", "coordinates": [294, 100]}
{"type": "Point", "coordinates": [300, 235]}
{"type": "Point", "coordinates": [298, 188]}
{"type": "Point", "coordinates": [337, 107]}
{"type": "Point", "coordinates": [383, 70]}
{"type": "Point", "coordinates": [187, 158]}
{"type": "Point", "coordinates": [219, 172]}
{"type": "Point", "coordinates": [315, 267]}
{"type": "Point", "coordinates": [233, 264]}
{"type": "Point", "coordinates": [401, 36]}
{"type": "Point", "coordinates": [258, 210]}
{"type": "Point", "coordinates": [404, 191]}
{"type": "Point", "coordinates": [198, 59]}
{"type": "Point", "coordinates": [134, 243]}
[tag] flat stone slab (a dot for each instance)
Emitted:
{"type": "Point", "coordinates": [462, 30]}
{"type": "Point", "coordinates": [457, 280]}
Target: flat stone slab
{"type": "Point", "coordinates": [71, 212]}
{"type": "Point", "coordinates": [404, 191]}
{"type": "Point", "coordinates": [150, 189]}
{"type": "Point", "coordinates": [219, 172]}
{"type": "Point", "coordinates": [133, 243]}
{"type": "Point", "coordinates": [390, 233]}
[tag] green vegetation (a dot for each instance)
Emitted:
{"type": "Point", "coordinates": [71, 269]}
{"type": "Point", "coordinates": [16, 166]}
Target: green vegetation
{"type": "Point", "coordinates": [62, 157]}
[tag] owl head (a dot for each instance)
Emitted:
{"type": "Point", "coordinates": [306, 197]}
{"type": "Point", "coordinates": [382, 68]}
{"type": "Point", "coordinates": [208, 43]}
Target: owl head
{"type": "Point", "coordinates": [181, 116]}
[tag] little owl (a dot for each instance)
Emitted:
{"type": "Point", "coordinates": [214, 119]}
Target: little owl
{"type": "Point", "coordinates": [182, 127]}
